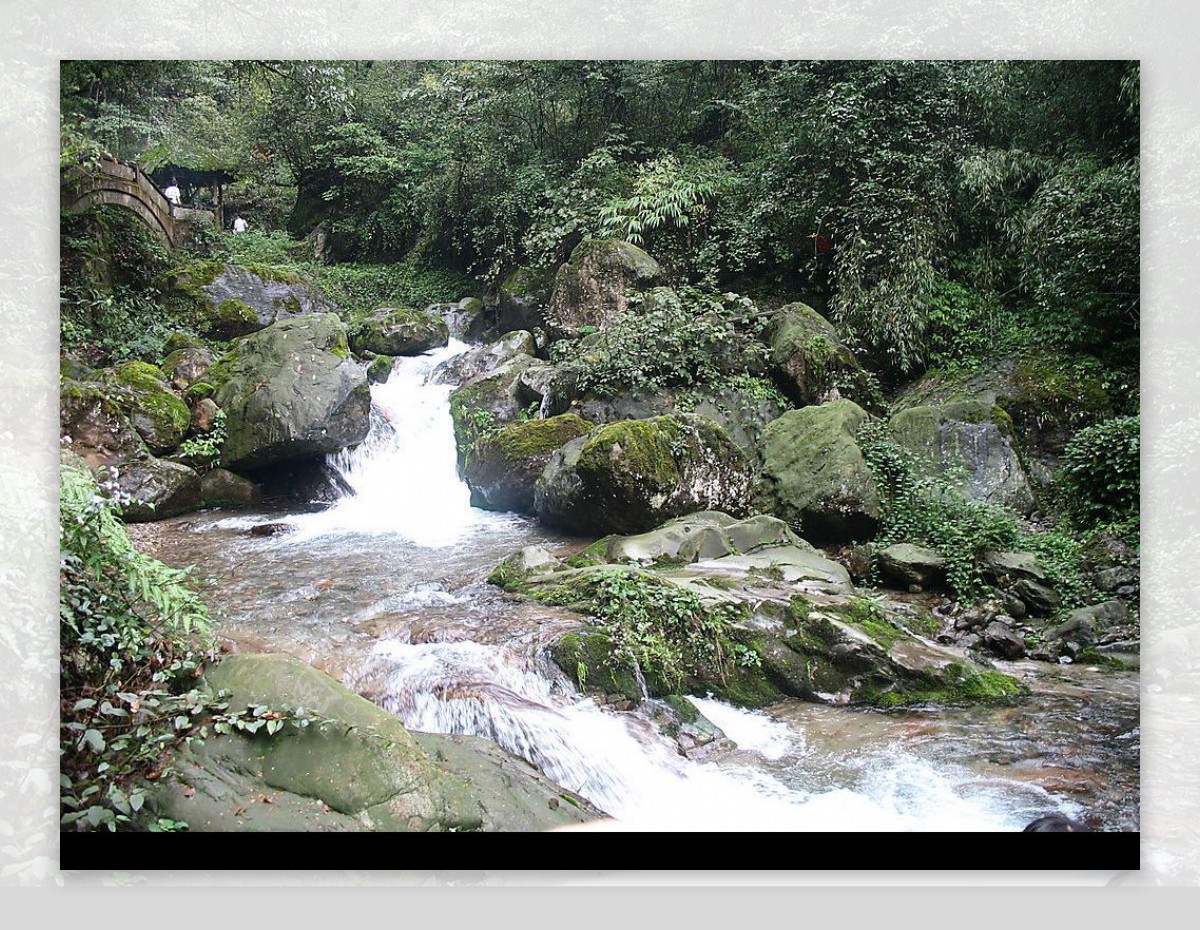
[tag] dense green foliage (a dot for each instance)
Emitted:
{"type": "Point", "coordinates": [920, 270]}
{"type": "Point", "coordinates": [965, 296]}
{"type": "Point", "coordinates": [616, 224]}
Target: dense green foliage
{"type": "Point", "coordinates": [672, 339]}
{"type": "Point", "coordinates": [1100, 472]}
{"type": "Point", "coordinates": [936, 209]}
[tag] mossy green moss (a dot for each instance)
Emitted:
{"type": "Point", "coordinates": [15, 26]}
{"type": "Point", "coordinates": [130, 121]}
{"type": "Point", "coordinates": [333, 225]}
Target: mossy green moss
{"type": "Point", "coordinates": [521, 441]}
{"type": "Point", "coordinates": [960, 683]}
{"type": "Point", "coordinates": [236, 311]}
{"type": "Point", "coordinates": [587, 659]}
{"type": "Point", "coordinates": [644, 449]}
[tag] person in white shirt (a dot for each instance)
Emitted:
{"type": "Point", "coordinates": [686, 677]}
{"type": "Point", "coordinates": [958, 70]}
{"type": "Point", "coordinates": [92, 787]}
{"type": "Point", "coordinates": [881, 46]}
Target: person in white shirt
{"type": "Point", "coordinates": [173, 194]}
{"type": "Point", "coordinates": [240, 225]}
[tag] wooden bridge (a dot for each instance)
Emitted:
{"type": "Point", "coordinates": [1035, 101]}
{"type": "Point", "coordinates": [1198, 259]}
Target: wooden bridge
{"type": "Point", "coordinates": [125, 185]}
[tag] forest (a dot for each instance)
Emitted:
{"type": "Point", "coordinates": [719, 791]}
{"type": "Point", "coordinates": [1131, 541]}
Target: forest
{"type": "Point", "coordinates": [701, 392]}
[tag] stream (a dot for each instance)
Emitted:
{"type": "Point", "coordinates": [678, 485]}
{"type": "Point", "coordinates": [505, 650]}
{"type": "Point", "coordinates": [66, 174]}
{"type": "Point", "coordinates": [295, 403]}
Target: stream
{"type": "Point", "coordinates": [385, 591]}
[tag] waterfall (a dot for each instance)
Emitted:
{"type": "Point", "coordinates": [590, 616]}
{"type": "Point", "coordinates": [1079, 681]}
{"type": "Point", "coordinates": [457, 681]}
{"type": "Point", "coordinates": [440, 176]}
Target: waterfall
{"type": "Point", "coordinates": [404, 474]}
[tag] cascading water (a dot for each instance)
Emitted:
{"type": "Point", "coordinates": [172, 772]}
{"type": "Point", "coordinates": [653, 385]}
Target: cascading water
{"type": "Point", "coordinates": [384, 589]}
{"type": "Point", "coordinates": [404, 474]}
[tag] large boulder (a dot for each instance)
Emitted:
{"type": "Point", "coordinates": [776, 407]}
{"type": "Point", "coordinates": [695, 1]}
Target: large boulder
{"type": "Point", "coordinates": [970, 445]}
{"type": "Point", "coordinates": [489, 401]}
{"type": "Point", "coordinates": [360, 771]}
{"type": "Point", "coordinates": [398, 331]}
{"type": "Point", "coordinates": [220, 487]}
{"type": "Point", "coordinates": [811, 362]}
{"type": "Point", "coordinates": [1038, 400]}
{"type": "Point", "coordinates": [629, 476]}
{"type": "Point", "coordinates": [232, 301]}
{"type": "Point", "coordinates": [291, 392]}
{"type": "Point", "coordinates": [504, 467]}
{"type": "Point", "coordinates": [814, 475]}
{"type": "Point", "coordinates": [141, 390]}
{"type": "Point", "coordinates": [591, 289]}
{"type": "Point", "coordinates": [96, 427]}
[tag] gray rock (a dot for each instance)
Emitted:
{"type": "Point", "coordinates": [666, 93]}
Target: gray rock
{"type": "Point", "coordinates": [184, 367]}
{"type": "Point", "coordinates": [999, 638]}
{"type": "Point", "coordinates": [482, 360]}
{"type": "Point", "coordinates": [814, 475]}
{"type": "Point", "coordinates": [631, 476]}
{"type": "Point", "coordinates": [292, 392]}
{"type": "Point", "coordinates": [968, 444]}
{"type": "Point", "coordinates": [592, 288]}
{"type": "Point", "coordinates": [222, 488]}
{"type": "Point", "coordinates": [158, 489]}
{"type": "Point", "coordinates": [912, 565]}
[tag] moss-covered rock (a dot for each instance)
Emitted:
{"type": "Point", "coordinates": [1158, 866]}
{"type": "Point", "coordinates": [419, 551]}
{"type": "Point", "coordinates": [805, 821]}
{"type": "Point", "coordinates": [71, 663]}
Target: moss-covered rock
{"type": "Point", "coordinates": [398, 331]}
{"type": "Point", "coordinates": [487, 403]}
{"type": "Point", "coordinates": [814, 475]}
{"type": "Point", "coordinates": [98, 429]}
{"type": "Point", "coordinates": [504, 466]}
{"type": "Point", "coordinates": [380, 369]}
{"type": "Point", "coordinates": [591, 289]}
{"type": "Point", "coordinates": [970, 445]}
{"type": "Point", "coordinates": [812, 363]}
{"type": "Point", "coordinates": [156, 412]}
{"type": "Point", "coordinates": [186, 366]}
{"type": "Point", "coordinates": [521, 299]}
{"type": "Point", "coordinates": [291, 392]}
{"type": "Point", "coordinates": [631, 476]}
{"type": "Point", "coordinates": [361, 771]}
{"type": "Point", "coordinates": [227, 301]}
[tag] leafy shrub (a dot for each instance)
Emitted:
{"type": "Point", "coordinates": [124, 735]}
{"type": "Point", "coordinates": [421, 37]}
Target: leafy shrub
{"type": "Point", "coordinates": [360, 289]}
{"type": "Point", "coordinates": [660, 628]}
{"type": "Point", "coordinates": [678, 339]}
{"type": "Point", "coordinates": [1100, 475]}
{"type": "Point", "coordinates": [134, 636]}
{"type": "Point", "coordinates": [918, 509]}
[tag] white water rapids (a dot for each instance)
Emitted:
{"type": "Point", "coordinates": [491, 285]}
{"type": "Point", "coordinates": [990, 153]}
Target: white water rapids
{"type": "Point", "coordinates": [442, 666]}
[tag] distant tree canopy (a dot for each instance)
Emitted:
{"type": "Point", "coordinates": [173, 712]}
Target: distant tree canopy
{"type": "Point", "coordinates": [920, 203]}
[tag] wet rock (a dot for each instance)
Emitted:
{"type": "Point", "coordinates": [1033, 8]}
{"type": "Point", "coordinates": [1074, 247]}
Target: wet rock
{"type": "Point", "coordinates": [503, 468]}
{"type": "Point", "coordinates": [484, 359]}
{"type": "Point", "coordinates": [488, 402]}
{"type": "Point", "coordinates": [222, 488]}
{"type": "Point", "coordinates": [467, 319]}
{"type": "Point", "coordinates": [367, 773]}
{"type": "Point", "coordinates": [631, 476]}
{"type": "Point", "coordinates": [814, 475]}
{"type": "Point", "coordinates": [398, 331]}
{"type": "Point", "coordinates": [380, 369]}
{"type": "Point", "coordinates": [521, 300]}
